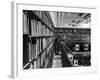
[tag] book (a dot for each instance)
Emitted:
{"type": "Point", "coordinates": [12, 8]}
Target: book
{"type": "Point", "coordinates": [25, 23]}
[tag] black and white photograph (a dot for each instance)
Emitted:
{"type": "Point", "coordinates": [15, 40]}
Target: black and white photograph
{"type": "Point", "coordinates": [53, 40]}
{"type": "Point", "coordinates": [56, 39]}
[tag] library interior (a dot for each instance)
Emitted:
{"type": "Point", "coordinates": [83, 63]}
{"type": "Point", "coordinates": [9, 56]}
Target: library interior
{"type": "Point", "coordinates": [56, 39]}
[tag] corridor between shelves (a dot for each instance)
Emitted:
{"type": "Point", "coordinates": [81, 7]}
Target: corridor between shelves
{"type": "Point", "coordinates": [55, 39]}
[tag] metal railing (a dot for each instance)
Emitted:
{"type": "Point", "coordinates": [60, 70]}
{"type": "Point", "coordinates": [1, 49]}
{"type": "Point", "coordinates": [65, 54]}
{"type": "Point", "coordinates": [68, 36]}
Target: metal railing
{"type": "Point", "coordinates": [39, 56]}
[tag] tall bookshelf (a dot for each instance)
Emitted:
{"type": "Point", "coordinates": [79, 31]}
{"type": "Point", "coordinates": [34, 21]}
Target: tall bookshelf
{"type": "Point", "coordinates": [38, 39]}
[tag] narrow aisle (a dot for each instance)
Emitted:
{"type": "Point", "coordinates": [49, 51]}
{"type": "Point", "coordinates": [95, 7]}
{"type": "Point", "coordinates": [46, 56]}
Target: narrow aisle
{"type": "Point", "coordinates": [61, 59]}
{"type": "Point", "coordinates": [57, 63]}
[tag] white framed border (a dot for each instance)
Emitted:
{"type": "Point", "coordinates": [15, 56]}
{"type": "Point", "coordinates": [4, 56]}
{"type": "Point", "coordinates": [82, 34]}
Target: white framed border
{"type": "Point", "coordinates": [17, 32]}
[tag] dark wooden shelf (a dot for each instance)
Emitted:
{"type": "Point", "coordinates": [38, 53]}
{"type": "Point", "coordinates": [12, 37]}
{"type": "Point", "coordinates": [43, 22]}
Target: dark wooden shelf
{"type": "Point", "coordinates": [41, 36]}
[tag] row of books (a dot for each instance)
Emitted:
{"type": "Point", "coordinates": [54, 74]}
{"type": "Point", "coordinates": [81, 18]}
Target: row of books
{"type": "Point", "coordinates": [44, 16]}
{"type": "Point", "coordinates": [37, 47]}
{"type": "Point", "coordinates": [39, 29]}
{"type": "Point", "coordinates": [74, 31]}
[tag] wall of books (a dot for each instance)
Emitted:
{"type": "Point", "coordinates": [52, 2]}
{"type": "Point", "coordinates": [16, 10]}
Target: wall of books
{"type": "Point", "coordinates": [38, 38]}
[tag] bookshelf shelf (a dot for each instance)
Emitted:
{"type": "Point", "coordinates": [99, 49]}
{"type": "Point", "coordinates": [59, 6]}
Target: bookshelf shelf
{"type": "Point", "coordinates": [42, 36]}
{"type": "Point", "coordinates": [38, 31]}
{"type": "Point", "coordinates": [34, 15]}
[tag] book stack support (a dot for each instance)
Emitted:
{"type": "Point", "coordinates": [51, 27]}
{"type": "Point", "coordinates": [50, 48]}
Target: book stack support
{"type": "Point", "coordinates": [38, 38]}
